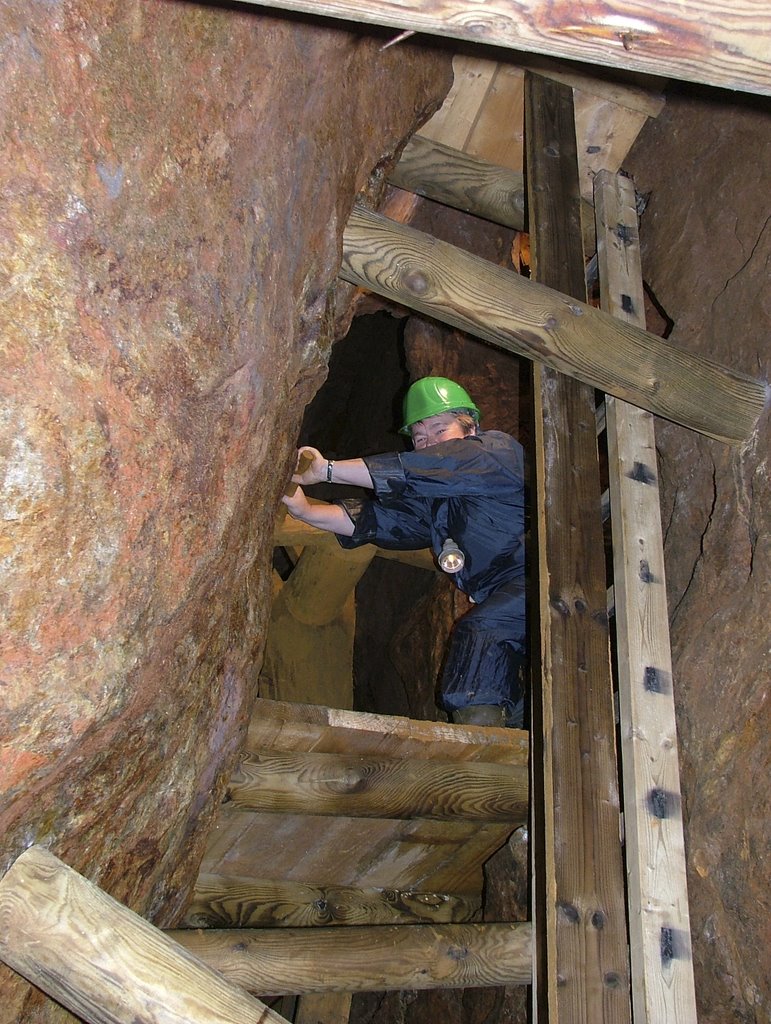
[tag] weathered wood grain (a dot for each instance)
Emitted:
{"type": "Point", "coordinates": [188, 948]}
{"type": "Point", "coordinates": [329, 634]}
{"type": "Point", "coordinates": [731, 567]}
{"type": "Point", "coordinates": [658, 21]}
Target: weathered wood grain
{"type": "Point", "coordinates": [227, 902]}
{"type": "Point", "coordinates": [582, 973]}
{"type": "Point", "coordinates": [377, 959]}
{"type": "Point", "coordinates": [657, 893]}
{"type": "Point", "coordinates": [696, 40]}
{"type": "Point", "coordinates": [548, 326]}
{"type": "Point", "coordinates": [103, 962]}
{"type": "Point", "coordinates": [322, 582]}
{"type": "Point", "coordinates": [350, 785]}
{"type": "Point", "coordinates": [281, 725]}
{"type": "Point", "coordinates": [451, 177]}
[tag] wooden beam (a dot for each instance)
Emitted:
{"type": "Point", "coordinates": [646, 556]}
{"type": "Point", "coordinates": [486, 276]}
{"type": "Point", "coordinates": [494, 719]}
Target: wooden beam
{"type": "Point", "coordinates": [220, 902]}
{"type": "Point", "coordinates": [695, 40]}
{"type": "Point", "coordinates": [370, 787]}
{"type": "Point", "coordinates": [281, 725]}
{"type": "Point", "coordinates": [546, 325]}
{"type": "Point", "coordinates": [657, 891]}
{"type": "Point", "coordinates": [451, 177]}
{"type": "Point", "coordinates": [103, 962]}
{"type": "Point", "coordinates": [321, 583]}
{"type": "Point", "coordinates": [378, 959]}
{"type": "Point", "coordinates": [582, 972]}
{"type": "Point", "coordinates": [323, 1008]}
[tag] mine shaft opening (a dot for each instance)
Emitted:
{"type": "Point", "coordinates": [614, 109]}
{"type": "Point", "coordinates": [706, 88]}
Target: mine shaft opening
{"type": "Point", "coordinates": [403, 613]}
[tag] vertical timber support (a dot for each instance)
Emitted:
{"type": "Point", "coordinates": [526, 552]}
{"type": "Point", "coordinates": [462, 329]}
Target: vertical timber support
{"type": "Point", "coordinates": [581, 971]}
{"type": "Point", "coordinates": [659, 924]}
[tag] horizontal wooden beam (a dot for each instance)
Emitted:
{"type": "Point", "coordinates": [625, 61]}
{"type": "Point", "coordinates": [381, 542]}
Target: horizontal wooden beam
{"type": "Point", "coordinates": [515, 313]}
{"type": "Point", "coordinates": [380, 787]}
{"type": "Point", "coordinates": [103, 962]}
{"type": "Point", "coordinates": [705, 41]}
{"type": "Point", "coordinates": [220, 902]}
{"type": "Point", "coordinates": [378, 959]}
{"type": "Point", "coordinates": [456, 179]}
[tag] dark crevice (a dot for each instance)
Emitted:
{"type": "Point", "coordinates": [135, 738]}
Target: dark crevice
{"type": "Point", "coordinates": [668, 322]}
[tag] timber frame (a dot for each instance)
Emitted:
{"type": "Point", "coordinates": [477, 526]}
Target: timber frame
{"type": "Point", "coordinates": [303, 765]}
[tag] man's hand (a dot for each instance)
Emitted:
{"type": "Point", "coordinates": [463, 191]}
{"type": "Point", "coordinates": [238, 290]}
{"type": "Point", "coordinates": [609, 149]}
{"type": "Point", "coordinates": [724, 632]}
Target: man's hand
{"type": "Point", "coordinates": [315, 470]}
{"type": "Point", "coordinates": [297, 505]}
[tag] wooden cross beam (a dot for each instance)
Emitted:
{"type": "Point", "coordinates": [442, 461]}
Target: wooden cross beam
{"type": "Point", "coordinates": [380, 787]}
{"type": "Point", "coordinates": [365, 959]}
{"type": "Point", "coordinates": [540, 323]}
{"type": "Point", "coordinates": [228, 902]}
{"type": "Point", "coordinates": [456, 179]}
{"type": "Point", "coordinates": [696, 40]}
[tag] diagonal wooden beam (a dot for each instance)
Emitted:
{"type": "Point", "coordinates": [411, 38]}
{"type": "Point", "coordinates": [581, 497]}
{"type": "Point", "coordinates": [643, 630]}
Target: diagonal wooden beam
{"type": "Point", "coordinates": [380, 787]}
{"type": "Point", "coordinates": [104, 962]}
{"type": "Point", "coordinates": [543, 324]}
{"type": "Point", "coordinates": [705, 41]}
{"type": "Point", "coordinates": [456, 179]}
{"type": "Point", "coordinates": [368, 959]}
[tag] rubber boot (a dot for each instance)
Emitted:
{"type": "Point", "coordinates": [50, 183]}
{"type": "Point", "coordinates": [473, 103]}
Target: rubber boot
{"type": "Point", "coordinates": [480, 714]}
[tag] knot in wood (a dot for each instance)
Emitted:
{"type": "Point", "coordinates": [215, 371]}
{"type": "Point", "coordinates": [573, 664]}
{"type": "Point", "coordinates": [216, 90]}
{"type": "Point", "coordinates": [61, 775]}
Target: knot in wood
{"type": "Point", "coordinates": [416, 282]}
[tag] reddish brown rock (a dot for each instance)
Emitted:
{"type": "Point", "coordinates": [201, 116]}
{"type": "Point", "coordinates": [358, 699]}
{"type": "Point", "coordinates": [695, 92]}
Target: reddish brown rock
{"type": "Point", "coordinates": [175, 180]}
{"type": "Point", "coordinates": [706, 235]}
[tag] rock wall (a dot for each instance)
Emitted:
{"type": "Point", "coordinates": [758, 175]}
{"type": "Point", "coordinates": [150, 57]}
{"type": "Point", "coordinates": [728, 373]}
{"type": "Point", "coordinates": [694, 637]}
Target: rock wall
{"type": "Point", "coordinates": [175, 180]}
{"type": "Point", "coordinates": [706, 236]}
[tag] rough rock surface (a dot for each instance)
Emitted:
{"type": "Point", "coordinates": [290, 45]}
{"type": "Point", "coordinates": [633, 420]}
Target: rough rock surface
{"type": "Point", "coordinates": [175, 180]}
{"type": "Point", "coordinates": [706, 236]}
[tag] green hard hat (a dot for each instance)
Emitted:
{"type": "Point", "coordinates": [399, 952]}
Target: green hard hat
{"type": "Point", "coordinates": [430, 396]}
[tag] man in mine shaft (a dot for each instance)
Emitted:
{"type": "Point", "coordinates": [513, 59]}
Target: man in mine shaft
{"type": "Point", "coordinates": [461, 492]}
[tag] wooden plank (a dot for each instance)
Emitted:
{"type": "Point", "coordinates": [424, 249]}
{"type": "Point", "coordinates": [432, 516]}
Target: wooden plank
{"type": "Point", "coordinates": [451, 177]}
{"type": "Point", "coordinates": [323, 1008]}
{"type": "Point", "coordinates": [103, 962]}
{"type": "Point", "coordinates": [454, 122]}
{"type": "Point", "coordinates": [355, 786]}
{"type": "Point", "coordinates": [281, 725]}
{"type": "Point", "coordinates": [382, 958]}
{"type": "Point", "coordinates": [695, 40]}
{"type": "Point", "coordinates": [439, 856]}
{"type": "Point", "coordinates": [228, 902]}
{"type": "Point", "coordinates": [498, 135]}
{"type": "Point", "coordinates": [659, 924]}
{"type": "Point", "coordinates": [581, 928]}
{"type": "Point", "coordinates": [606, 132]}
{"type": "Point", "coordinates": [545, 324]}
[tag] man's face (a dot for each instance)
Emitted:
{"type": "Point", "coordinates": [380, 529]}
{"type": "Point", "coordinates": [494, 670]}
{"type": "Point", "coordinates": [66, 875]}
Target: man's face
{"type": "Point", "coordinates": [442, 427]}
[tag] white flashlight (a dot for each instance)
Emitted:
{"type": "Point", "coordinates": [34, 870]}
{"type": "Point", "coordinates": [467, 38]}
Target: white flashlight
{"type": "Point", "coordinates": [451, 558]}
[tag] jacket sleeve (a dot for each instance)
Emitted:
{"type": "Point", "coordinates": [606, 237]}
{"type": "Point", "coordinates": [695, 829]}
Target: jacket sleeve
{"type": "Point", "coordinates": [489, 464]}
{"type": "Point", "coordinates": [397, 524]}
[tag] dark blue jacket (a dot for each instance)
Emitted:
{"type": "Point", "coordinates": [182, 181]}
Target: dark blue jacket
{"type": "Point", "coordinates": [471, 489]}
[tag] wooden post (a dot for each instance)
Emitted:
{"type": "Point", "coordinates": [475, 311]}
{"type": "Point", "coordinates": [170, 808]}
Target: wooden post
{"type": "Point", "coordinates": [378, 959]}
{"type": "Point", "coordinates": [547, 325]}
{"type": "Point", "coordinates": [657, 893]}
{"type": "Point", "coordinates": [380, 787]}
{"type": "Point", "coordinates": [322, 582]}
{"type": "Point", "coordinates": [221, 902]}
{"type": "Point", "coordinates": [456, 179]}
{"type": "Point", "coordinates": [582, 974]}
{"type": "Point", "coordinates": [696, 40]}
{"type": "Point", "coordinates": [103, 962]}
